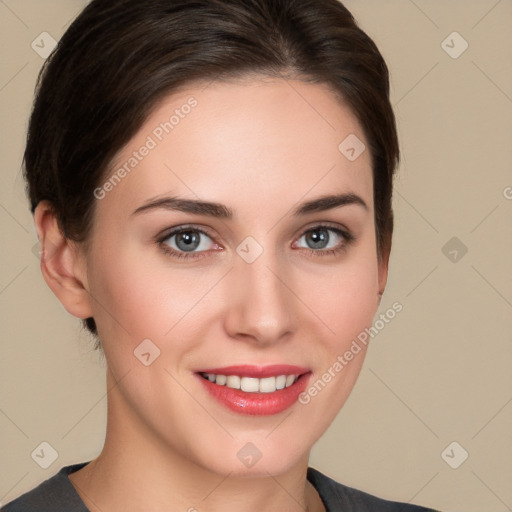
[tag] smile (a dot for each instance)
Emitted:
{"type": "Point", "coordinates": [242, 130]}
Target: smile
{"type": "Point", "coordinates": [255, 390]}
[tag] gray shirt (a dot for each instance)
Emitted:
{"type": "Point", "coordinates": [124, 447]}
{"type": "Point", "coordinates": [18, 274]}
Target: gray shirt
{"type": "Point", "coordinates": [57, 494]}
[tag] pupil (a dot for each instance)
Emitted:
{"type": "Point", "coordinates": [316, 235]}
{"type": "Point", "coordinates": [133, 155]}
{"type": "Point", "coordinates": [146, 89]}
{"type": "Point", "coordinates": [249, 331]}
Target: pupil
{"type": "Point", "coordinates": [319, 238]}
{"type": "Point", "coordinates": [189, 239]}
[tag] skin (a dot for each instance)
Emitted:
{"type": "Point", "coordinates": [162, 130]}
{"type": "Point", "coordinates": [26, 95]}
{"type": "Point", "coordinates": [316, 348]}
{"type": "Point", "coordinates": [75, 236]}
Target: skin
{"type": "Point", "coordinates": [259, 146]}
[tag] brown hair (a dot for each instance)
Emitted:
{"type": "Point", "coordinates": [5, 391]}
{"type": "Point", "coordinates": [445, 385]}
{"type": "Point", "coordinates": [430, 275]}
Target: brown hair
{"type": "Point", "coordinates": [119, 58]}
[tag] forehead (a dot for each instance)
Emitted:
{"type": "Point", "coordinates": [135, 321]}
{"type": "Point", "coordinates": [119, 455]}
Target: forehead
{"type": "Point", "coordinates": [245, 143]}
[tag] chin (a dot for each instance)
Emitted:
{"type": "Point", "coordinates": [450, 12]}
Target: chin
{"type": "Point", "coordinates": [259, 455]}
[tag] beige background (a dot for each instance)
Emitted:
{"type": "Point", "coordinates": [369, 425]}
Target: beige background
{"type": "Point", "coordinates": [439, 372]}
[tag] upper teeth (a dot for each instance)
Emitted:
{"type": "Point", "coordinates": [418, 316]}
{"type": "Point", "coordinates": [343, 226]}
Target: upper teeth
{"type": "Point", "coordinates": [252, 384]}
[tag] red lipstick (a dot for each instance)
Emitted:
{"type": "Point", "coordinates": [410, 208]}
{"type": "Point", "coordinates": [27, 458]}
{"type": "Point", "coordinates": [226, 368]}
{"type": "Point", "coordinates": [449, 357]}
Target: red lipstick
{"type": "Point", "coordinates": [256, 402]}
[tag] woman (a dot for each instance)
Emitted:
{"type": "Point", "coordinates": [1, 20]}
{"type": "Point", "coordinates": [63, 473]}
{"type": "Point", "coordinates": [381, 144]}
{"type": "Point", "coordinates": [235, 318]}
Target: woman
{"type": "Point", "coordinates": [211, 184]}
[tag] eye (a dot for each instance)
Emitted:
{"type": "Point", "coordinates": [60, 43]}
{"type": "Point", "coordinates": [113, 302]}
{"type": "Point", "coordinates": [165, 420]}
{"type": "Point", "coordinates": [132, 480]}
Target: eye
{"type": "Point", "coordinates": [191, 242]}
{"type": "Point", "coordinates": [186, 242]}
{"type": "Point", "coordinates": [322, 240]}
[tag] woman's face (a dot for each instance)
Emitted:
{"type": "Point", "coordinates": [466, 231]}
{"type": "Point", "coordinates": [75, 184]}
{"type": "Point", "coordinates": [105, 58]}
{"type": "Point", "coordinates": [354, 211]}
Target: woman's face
{"type": "Point", "coordinates": [263, 273]}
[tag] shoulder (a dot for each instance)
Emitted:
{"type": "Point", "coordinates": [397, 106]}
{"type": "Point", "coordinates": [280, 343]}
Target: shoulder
{"type": "Point", "coordinates": [338, 497]}
{"type": "Point", "coordinates": [56, 494]}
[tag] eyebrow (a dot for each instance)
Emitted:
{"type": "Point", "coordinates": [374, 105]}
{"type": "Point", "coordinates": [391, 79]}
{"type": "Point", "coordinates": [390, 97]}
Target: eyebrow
{"type": "Point", "coordinates": [218, 210]}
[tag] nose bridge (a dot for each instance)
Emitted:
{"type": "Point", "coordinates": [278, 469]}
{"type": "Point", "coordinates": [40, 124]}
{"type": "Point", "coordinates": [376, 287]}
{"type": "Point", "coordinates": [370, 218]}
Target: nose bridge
{"type": "Point", "coordinates": [261, 306]}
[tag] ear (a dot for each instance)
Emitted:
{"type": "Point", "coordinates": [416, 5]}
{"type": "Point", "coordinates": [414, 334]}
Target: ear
{"type": "Point", "coordinates": [62, 264]}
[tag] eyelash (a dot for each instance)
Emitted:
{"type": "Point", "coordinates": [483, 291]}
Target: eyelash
{"type": "Point", "coordinates": [348, 237]}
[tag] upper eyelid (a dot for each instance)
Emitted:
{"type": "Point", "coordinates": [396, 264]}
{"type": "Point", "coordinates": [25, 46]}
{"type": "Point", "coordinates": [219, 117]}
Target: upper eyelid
{"type": "Point", "coordinates": [326, 224]}
{"type": "Point", "coordinates": [166, 233]}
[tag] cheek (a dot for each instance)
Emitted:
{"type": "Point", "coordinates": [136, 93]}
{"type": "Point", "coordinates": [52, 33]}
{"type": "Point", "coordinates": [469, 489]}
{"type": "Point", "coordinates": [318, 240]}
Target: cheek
{"type": "Point", "coordinates": [345, 299]}
{"type": "Point", "coordinates": [351, 304]}
{"type": "Point", "coordinates": [146, 303]}
{"type": "Point", "coordinates": [136, 297]}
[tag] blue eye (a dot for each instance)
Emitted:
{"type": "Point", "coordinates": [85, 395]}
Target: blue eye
{"type": "Point", "coordinates": [319, 241]}
{"type": "Point", "coordinates": [186, 241]}
{"type": "Point", "coordinates": [320, 237]}
{"type": "Point", "coordinates": [191, 242]}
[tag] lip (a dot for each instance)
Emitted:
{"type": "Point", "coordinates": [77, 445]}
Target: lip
{"type": "Point", "coordinates": [256, 404]}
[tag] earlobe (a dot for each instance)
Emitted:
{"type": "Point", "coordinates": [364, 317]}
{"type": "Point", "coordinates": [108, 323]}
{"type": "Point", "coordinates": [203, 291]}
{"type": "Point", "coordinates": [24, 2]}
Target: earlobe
{"type": "Point", "coordinates": [61, 265]}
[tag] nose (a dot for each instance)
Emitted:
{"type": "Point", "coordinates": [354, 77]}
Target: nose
{"type": "Point", "coordinates": [261, 306]}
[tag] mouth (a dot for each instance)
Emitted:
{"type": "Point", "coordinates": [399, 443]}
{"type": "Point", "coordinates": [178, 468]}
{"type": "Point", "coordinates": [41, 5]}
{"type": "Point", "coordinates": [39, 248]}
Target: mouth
{"type": "Point", "coordinates": [255, 390]}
